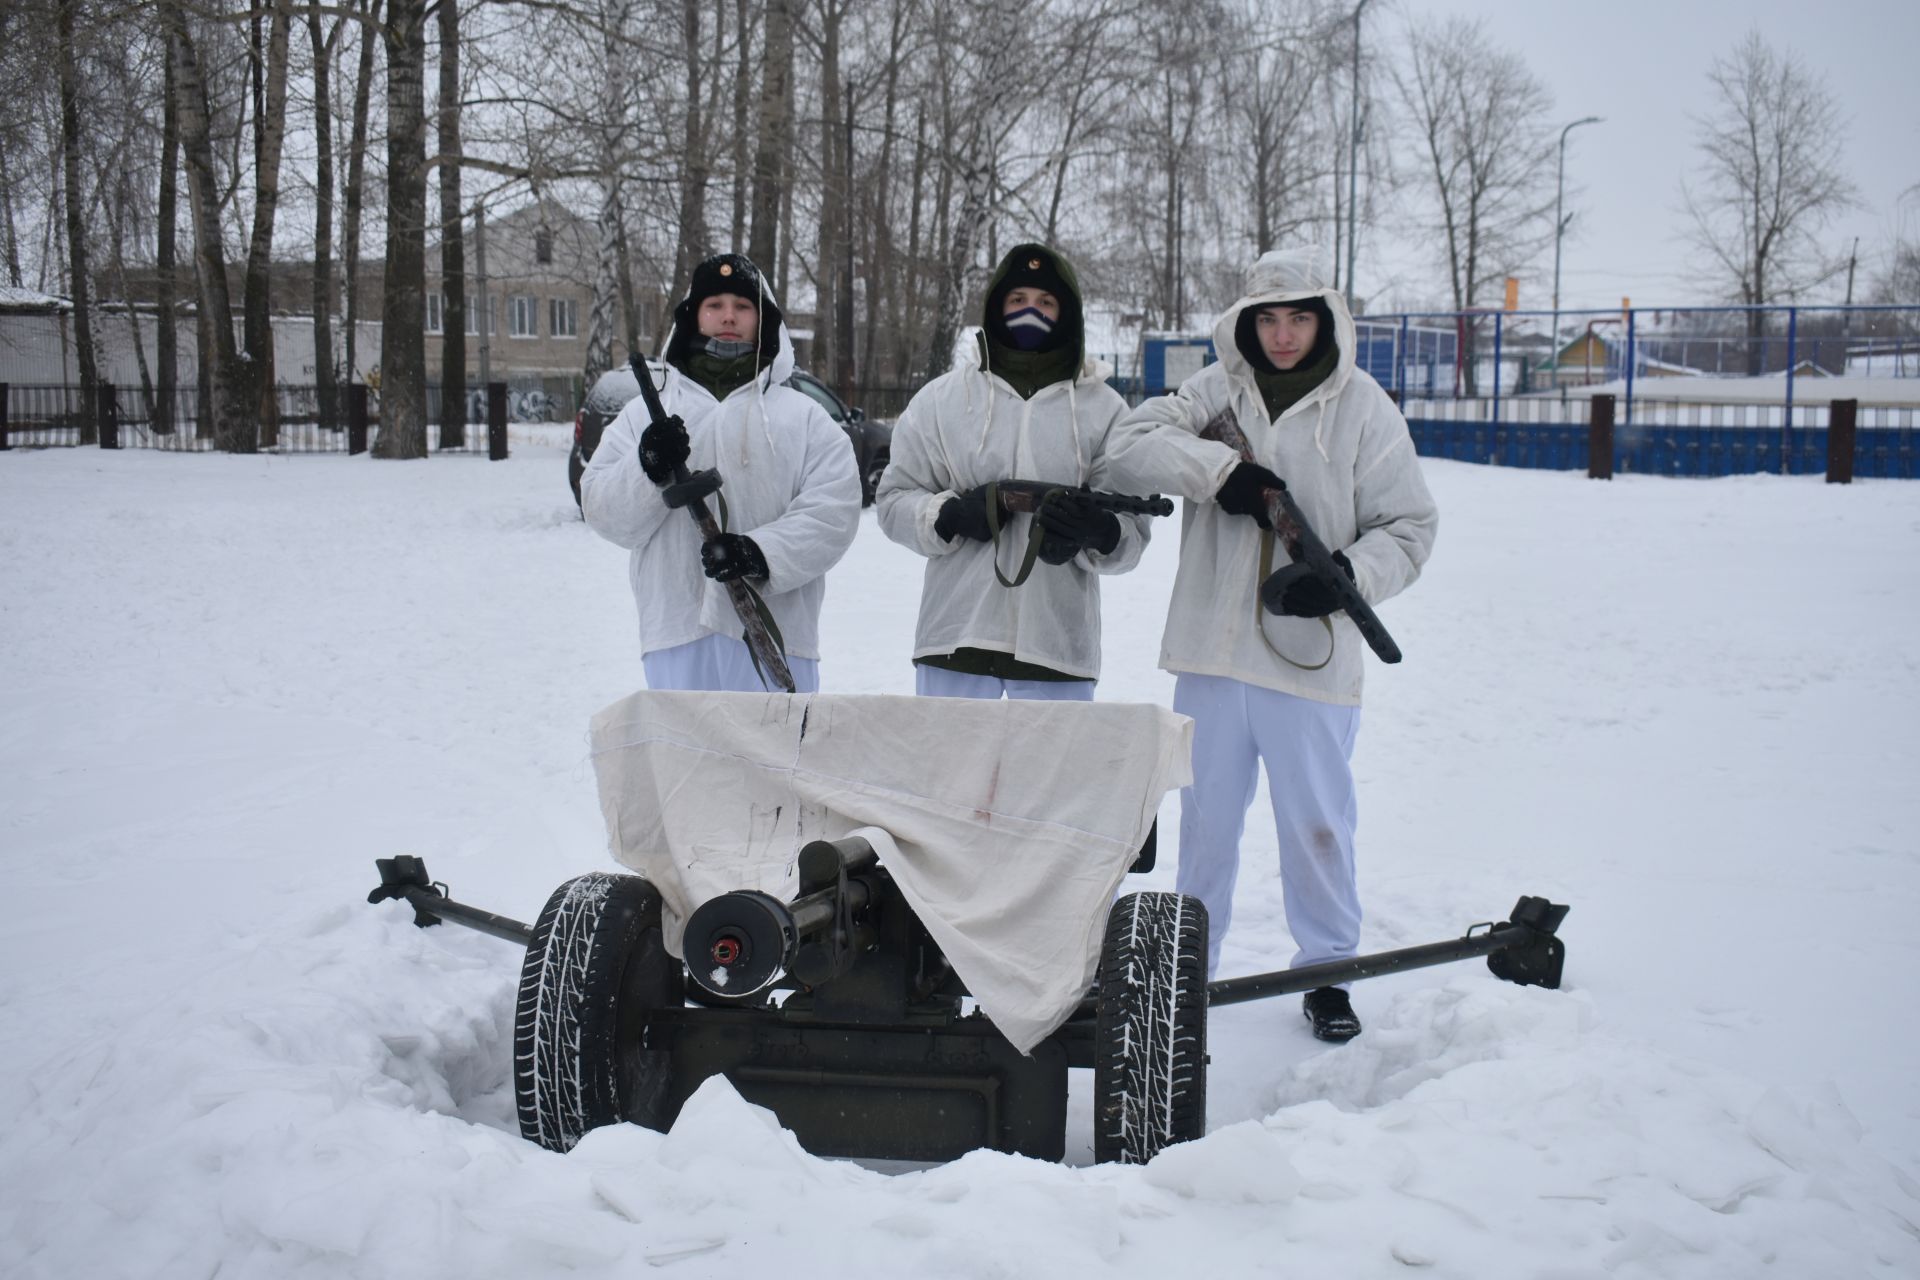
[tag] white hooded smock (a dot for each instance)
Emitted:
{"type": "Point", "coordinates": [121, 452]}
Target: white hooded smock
{"type": "Point", "coordinates": [967, 428]}
{"type": "Point", "coordinates": [1349, 462]}
{"type": "Point", "coordinates": [790, 484]}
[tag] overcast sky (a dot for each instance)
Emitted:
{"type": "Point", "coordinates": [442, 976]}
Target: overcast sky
{"type": "Point", "coordinates": [1642, 64]}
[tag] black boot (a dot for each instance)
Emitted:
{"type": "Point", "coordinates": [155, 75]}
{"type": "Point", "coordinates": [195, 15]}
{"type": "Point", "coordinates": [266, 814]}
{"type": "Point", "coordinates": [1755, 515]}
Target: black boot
{"type": "Point", "coordinates": [1331, 1014]}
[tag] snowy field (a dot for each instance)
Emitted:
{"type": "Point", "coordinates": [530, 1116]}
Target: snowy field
{"type": "Point", "coordinates": [1690, 709]}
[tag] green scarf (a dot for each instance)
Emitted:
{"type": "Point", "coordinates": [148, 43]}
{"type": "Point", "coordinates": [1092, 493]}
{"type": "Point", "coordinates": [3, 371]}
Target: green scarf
{"type": "Point", "coordinates": [721, 377]}
{"type": "Point", "coordinates": [1281, 389]}
{"type": "Point", "coordinates": [1028, 371]}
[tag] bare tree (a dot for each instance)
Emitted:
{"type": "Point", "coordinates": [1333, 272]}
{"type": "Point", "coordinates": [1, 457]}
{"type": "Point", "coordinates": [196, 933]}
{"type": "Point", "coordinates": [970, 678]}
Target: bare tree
{"type": "Point", "coordinates": [1273, 69]}
{"type": "Point", "coordinates": [771, 159]}
{"type": "Point", "coordinates": [1769, 179]}
{"type": "Point", "coordinates": [353, 189]}
{"type": "Point", "coordinates": [1478, 120]}
{"type": "Point", "coordinates": [224, 375]}
{"type": "Point", "coordinates": [78, 276]}
{"type": "Point", "coordinates": [988, 40]}
{"type": "Point", "coordinates": [270, 126]}
{"type": "Point", "coordinates": [403, 368]}
{"type": "Point", "coordinates": [453, 251]}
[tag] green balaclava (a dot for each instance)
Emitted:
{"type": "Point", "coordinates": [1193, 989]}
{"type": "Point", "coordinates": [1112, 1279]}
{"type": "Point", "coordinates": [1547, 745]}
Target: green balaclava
{"type": "Point", "coordinates": [1030, 360]}
{"type": "Point", "coordinates": [1281, 389]}
{"type": "Point", "coordinates": [722, 372]}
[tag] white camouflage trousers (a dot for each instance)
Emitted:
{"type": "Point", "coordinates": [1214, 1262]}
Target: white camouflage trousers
{"type": "Point", "coordinates": [722, 664]}
{"type": "Point", "coordinates": [938, 682]}
{"type": "Point", "coordinates": [1307, 749]}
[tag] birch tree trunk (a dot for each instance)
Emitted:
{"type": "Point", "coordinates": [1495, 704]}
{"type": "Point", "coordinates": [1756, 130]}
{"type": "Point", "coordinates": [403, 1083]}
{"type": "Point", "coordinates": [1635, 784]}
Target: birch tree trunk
{"type": "Point", "coordinates": [354, 192]}
{"type": "Point", "coordinates": [79, 282]}
{"type": "Point", "coordinates": [693, 245]}
{"type": "Point", "coordinates": [776, 136]}
{"type": "Point", "coordinates": [224, 394]}
{"type": "Point", "coordinates": [993, 45]}
{"type": "Point", "coordinates": [271, 127]}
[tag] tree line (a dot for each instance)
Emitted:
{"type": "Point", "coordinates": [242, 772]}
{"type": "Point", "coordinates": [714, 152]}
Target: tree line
{"type": "Point", "coordinates": [872, 155]}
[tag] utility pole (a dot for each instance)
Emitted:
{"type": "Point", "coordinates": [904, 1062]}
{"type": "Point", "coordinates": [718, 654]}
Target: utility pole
{"type": "Point", "coordinates": [1559, 228]}
{"type": "Point", "coordinates": [1353, 152]}
{"type": "Point", "coordinates": [484, 323]}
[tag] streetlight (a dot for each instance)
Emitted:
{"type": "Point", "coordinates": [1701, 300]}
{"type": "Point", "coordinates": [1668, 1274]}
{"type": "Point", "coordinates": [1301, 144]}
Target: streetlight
{"type": "Point", "coordinates": [1353, 152]}
{"type": "Point", "coordinates": [1559, 227]}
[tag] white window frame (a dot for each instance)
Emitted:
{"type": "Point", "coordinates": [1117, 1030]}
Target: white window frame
{"type": "Point", "coordinates": [523, 306]}
{"type": "Point", "coordinates": [563, 317]}
{"type": "Point", "coordinates": [473, 317]}
{"type": "Point", "coordinates": [436, 312]}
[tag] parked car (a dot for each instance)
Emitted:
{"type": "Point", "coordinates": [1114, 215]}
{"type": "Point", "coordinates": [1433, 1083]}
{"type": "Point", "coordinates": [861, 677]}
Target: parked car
{"type": "Point", "coordinates": [872, 440]}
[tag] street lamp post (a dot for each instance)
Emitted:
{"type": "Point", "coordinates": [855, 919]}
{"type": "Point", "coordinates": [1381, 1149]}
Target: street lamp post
{"type": "Point", "coordinates": [1560, 226]}
{"type": "Point", "coordinates": [1353, 152]}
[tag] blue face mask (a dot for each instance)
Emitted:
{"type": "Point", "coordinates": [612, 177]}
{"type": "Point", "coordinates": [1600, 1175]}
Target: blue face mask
{"type": "Point", "coordinates": [1028, 328]}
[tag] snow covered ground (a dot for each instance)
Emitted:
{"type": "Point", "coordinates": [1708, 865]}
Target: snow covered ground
{"type": "Point", "coordinates": [1691, 709]}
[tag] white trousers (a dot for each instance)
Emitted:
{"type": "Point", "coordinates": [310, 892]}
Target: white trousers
{"type": "Point", "coordinates": [938, 682]}
{"type": "Point", "coordinates": [1307, 750]}
{"type": "Point", "coordinates": [720, 663]}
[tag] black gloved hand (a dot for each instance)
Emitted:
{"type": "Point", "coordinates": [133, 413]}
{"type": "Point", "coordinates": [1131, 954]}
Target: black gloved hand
{"type": "Point", "coordinates": [964, 516]}
{"type": "Point", "coordinates": [1244, 492]}
{"type": "Point", "coordinates": [663, 449]}
{"type": "Point", "coordinates": [1302, 595]}
{"type": "Point", "coordinates": [1071, 521]}
{"type": "Point", "coordinates": [732, 555]}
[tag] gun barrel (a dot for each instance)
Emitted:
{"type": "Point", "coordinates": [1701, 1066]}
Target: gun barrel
{"type": "Point", "coordinates": [740, 943]}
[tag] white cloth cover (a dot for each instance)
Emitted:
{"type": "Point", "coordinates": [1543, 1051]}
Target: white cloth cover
{"type": "Point", "coordinates": [1007, 825]}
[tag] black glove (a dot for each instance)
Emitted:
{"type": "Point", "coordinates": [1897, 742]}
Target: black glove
{"type": "Point", "coordinates": [1301, 594]}
{"type": "Point", "coordinates": [964, 516]}
{"type": "Point", "coordinates": [1071, 521]}
{"type": "Point", "coordinates": [1244, 492]}
{"type": "Point", "coordinates": [728, 556]}
{"type": "Point", "coordinates": [663, 449]}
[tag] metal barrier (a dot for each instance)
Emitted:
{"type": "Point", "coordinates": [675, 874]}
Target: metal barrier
{"type": "Point", "coordinates": [1841, 440]}
{"type": "Point", "coordinates": [42, 416]}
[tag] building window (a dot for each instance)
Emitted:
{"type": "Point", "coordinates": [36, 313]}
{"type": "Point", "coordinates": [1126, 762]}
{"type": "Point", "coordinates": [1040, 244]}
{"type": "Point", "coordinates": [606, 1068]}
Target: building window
{"type": "Point", "coordinates": [435, 304]}
{"type": "Point", "coordinates": [543, 245]}
{"type": "Point", "coordinates": [522, 321]}
{"type": "Point", "coordinates": [563, 317]}
{"type": "Point", "coordinates": [473, 317]}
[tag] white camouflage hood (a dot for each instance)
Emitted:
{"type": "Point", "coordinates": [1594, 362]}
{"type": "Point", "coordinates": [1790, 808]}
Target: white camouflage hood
{"type": "Point", "coordinates": [1288, 275]}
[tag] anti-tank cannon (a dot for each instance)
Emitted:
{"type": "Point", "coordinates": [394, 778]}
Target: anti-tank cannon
{"type": "Point", "coordinates": [846, 998]}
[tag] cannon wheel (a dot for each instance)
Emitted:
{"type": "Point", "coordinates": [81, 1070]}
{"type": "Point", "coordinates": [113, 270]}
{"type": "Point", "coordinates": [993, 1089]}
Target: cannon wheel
{"type": "Point", "coordinates": [596, 967]}
{"type": "Point", "coordinates": [1150, 1037]}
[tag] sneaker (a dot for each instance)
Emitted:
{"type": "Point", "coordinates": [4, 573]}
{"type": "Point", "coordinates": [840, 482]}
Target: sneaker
{"type": "Point", "coordinates": [1331, 1014]}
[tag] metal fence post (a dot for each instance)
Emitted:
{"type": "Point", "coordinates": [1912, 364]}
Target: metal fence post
{"type": "Point", "coordinates": [1786, 426]}
{"type": "Point", "coordinates": [109, 416]}
{"type": "Point", "coordinates": [1600, 439]}
{"type": "Point", "coordinates": [3, 416]}
{"type": "Point", "coordinates": [496, 421]}
{"type": "Point", "coordinates": [1627, 416]}
{"type": "Point", "coordinates": [356, 417]}
{"type": "Point", "coordinates": [1841, 415]}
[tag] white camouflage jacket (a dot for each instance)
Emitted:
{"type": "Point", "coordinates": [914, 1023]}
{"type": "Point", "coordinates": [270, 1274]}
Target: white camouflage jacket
{"type": "Point", "coordinates": [966, 428]}
{"type": "Point", "coordinates": [1348, 460]}
{"type": "Point", "coordinates": [790, 484]}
